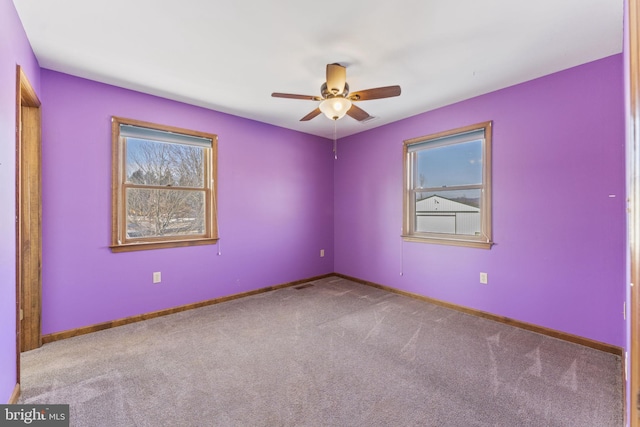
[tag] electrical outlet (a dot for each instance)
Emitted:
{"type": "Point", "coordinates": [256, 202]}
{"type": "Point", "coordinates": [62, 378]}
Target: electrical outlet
{"type": "Point", "coordinates": [157, 277]}
{"type": "Point", "coordinates": [321, 253]}
{"type": "Point", "coordinates": [484, 279]}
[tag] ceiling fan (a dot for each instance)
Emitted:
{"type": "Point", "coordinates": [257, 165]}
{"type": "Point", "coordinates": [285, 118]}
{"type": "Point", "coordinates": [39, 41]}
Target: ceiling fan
{"type": "Point", "coordinates": [336, 99]}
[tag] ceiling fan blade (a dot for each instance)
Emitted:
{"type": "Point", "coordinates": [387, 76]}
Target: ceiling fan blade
{"type": "Point", "coordinates": [293, 96]}
{"type": "Point", "coordinates": [377, 93]}
{"type": "Point", "coordinates": [336, 78]}
{"type": "Point", "coordinates": [357, 113]}
{"type": "Point", "coordinates": [311, 115]}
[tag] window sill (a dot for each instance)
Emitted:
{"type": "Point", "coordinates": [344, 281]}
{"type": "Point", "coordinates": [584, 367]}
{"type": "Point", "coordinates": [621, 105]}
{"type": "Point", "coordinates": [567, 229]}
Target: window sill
{"type": "Point", "coordinates": [450, 242]}
{"type": "Point", "coordinates": [143, 246]}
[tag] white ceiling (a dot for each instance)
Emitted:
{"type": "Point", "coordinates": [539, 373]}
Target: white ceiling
{"type": "Point", "coordinates": [230, 55]}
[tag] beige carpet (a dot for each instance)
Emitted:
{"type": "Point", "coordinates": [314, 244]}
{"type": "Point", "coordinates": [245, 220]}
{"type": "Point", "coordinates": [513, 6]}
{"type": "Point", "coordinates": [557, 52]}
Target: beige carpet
{"type": "Point", "coordinates": [333, 354]}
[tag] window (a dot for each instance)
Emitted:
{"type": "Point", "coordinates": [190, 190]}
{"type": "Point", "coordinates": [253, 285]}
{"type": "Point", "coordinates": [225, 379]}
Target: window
{"type": "Point", "coordinates": [163, 186]}
{"type": "Point", "coordinates": [447, 189]}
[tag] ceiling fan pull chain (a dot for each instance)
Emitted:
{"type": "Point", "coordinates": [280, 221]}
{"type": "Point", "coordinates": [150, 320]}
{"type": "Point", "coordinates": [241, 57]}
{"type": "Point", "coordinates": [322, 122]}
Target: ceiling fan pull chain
{"type": "Point", "coordinates": [335, 139]}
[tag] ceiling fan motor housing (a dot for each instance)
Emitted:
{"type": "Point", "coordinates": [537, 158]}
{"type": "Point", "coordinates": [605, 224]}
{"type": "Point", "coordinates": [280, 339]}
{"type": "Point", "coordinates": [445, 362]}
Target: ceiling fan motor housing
{"type": "Point", "coordinates": [326, 93]}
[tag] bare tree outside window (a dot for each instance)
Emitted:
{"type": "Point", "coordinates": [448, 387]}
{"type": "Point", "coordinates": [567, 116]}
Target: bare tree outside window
{"type": "Point", "coordinates": [165, 191]}
{"type": "Point", "coordinates": [177, 210]}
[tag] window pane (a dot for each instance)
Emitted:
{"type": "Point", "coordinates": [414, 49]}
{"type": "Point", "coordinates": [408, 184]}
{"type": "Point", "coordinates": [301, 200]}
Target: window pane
{"type": "Point", "coordinates": [159, 163]}
{"type": "Point", "coordinates": [449, 165]}
{"type": "Point", "coordinates": [450, 212]}
{"type": "Point", "coordinates": [154, 213]}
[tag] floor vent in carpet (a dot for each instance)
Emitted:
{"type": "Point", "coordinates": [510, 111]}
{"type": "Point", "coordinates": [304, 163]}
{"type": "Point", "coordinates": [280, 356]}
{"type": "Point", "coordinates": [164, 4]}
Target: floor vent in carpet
{"type": "Point", "coordinates": [308, 285]}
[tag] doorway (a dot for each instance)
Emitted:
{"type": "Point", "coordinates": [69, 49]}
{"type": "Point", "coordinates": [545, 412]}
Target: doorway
{"type": "Point", "coordinates": [28, 218]}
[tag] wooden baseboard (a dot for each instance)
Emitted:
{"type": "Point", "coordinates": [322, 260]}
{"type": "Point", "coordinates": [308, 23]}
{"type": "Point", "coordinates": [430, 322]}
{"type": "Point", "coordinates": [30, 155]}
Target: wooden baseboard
{"type": "Point", "coordinates": [618, 351]}
{"type": "Point", "coordinates": [15, 395]}
{"type": "Point", "coordinates": [56, 336]}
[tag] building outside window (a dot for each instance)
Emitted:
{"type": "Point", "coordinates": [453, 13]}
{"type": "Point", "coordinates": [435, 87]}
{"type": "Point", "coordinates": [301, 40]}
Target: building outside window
{"type": "Point", "coordinates": [447, 190]}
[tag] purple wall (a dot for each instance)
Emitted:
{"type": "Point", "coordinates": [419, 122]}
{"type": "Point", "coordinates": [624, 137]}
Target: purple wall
{"type": "Point", "coordinates": [558, 203]}
{"type": "Point", "coordinates": [14, 50]}
{"type": "Point", "coordinates": [275, 206]}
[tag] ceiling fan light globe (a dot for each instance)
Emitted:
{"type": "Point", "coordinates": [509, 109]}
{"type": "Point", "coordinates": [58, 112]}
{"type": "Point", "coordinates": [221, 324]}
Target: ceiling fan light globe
{"type": "Point", "coordinates": [335, 108]}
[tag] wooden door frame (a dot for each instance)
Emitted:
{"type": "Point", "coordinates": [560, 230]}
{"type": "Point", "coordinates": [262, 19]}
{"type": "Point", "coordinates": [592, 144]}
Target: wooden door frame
{"type": "Point", "coordinates": [28, 217]}
{"type": "Point", "coordinates": [633, 155]}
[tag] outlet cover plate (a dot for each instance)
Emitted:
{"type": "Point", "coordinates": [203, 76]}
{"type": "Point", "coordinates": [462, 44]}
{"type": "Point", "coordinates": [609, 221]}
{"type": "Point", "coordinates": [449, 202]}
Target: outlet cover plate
{"type": "Point", "coordinates": [484, 278]}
